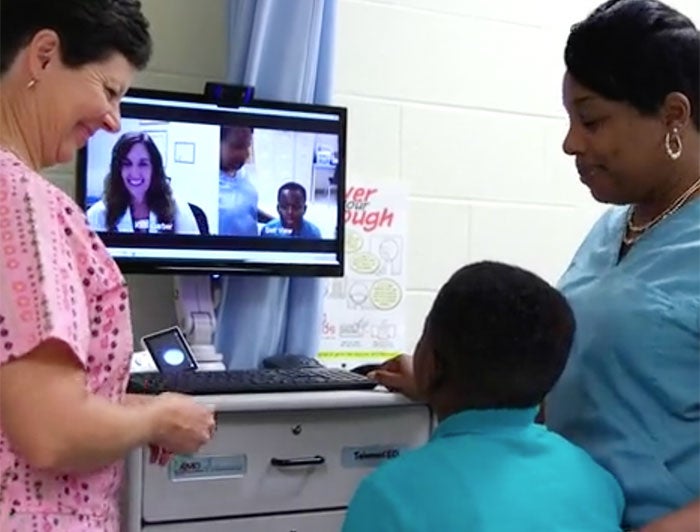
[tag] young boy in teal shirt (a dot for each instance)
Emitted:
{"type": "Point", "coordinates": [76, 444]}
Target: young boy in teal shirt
{"type": "Point", "coordinates": [494, 343]}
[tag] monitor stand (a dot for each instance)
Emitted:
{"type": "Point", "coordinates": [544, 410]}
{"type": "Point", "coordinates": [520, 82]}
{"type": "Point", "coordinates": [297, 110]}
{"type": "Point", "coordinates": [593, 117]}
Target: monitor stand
{"type": "Point", "coordinates": [197, 319]}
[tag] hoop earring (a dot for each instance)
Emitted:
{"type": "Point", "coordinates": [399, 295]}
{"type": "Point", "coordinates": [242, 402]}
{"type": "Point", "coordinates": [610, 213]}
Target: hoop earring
{"type": "Point", "coordinates": [671, 139]}
{"type": "Point", "coordinates": [31, 83]}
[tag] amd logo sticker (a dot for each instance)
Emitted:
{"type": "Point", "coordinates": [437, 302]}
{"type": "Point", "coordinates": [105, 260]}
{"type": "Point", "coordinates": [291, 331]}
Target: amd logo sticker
{"type": "Point", "coordinates": [370, 455]}
{"type": "Point", "coordinates": [198, 467]}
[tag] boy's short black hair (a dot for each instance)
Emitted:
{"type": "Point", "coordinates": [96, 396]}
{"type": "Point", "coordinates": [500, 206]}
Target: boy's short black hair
{"type": "Point", "coordinates": [637, 52]}
{"type": "Point", "coordinates": [501, 335]}
{"type": "Point", "coordinates": [90, 30]}
{"type": "Point", "coordinates": [293, 187]}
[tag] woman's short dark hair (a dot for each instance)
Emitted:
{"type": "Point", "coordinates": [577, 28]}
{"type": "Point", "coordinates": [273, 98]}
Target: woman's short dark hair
{"type": "Point", "coordinates": [500, 334]}
{"type": "Point", "coordinates": [159, 196]}
{"type": "Point", "coordinates": [637, 52]}
{"type": "Point", "coordinates": [90, 30]}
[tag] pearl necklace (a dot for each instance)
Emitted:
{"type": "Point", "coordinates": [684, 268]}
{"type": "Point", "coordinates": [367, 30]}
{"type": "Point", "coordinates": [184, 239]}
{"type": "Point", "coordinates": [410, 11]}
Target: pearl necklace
{"type": "Point", "coordinates": [636, 231]}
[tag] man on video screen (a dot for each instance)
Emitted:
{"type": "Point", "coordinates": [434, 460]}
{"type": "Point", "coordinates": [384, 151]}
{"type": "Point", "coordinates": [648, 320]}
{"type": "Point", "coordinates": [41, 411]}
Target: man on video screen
{"type": "Point", "coordinates": [238, 197]}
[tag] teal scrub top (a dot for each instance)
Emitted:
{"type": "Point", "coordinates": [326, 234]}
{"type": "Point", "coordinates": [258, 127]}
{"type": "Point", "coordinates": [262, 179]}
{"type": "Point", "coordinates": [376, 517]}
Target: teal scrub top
{"type": "Point", "coordinates": [488, 471]}
{"type": "Point", "coordinates": [630, 394]}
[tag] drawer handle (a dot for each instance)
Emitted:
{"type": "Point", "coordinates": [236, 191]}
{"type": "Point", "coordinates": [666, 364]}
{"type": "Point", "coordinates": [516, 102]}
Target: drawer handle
{"type": "Point", "coordinates": [296, 462]}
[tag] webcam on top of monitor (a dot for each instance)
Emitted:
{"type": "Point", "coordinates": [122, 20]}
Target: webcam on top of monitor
{"type": "Point", "coordinates": [225, 95]}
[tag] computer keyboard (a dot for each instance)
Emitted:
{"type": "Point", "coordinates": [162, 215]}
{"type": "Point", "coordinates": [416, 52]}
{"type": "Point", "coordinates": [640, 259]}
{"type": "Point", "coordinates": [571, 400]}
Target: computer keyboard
{"type": "Point", "coordinates": [248, 381]}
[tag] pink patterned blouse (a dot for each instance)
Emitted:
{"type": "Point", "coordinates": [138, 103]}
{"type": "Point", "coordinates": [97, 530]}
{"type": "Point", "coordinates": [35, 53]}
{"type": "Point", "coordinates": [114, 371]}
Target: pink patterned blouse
{"type": "Point", "coordinates": [57, 281]}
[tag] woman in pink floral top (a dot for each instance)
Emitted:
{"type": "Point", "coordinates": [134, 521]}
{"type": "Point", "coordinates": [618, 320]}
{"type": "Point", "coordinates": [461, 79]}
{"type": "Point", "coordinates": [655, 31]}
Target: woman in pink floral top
{"type": "Point", "coordinates": [65, 332]}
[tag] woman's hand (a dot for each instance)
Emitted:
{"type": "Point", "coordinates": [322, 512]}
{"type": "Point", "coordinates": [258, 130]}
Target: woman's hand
{"type": "Point", "coordinates": [136, 399]}
{"type": "Point", "coordinates": [179, 424]}
{"type": "Point", "coordinates": [397, 375]}
{"type": "Point", "coordinates": [686, 519]}
{"type": "Point", "coordinates": [158, 455]}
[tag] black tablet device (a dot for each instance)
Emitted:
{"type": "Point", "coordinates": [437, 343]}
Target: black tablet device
{"type": "Point", "coordinates": [170, 351]}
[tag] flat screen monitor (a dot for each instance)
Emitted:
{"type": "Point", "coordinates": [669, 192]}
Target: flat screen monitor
{"type": "Point", "coordinates": [187, 186]}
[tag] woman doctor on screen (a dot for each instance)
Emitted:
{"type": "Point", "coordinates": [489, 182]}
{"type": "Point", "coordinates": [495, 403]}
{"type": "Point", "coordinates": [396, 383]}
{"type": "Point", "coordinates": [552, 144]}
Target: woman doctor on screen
{"type": "Point", "coordinates": [138, 197]}
{"type": "Point", "coordinates": [630, 393]}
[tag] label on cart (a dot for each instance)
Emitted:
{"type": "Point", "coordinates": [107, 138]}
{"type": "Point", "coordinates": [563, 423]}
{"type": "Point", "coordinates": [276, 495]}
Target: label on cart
{"type": "Point", "coordinates": [207, 467]}
{"type": "Point", "coordinates": [369, 455]}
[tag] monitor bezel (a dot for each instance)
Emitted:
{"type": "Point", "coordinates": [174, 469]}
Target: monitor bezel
{"type": "Point", "coordinates": [221, 266]}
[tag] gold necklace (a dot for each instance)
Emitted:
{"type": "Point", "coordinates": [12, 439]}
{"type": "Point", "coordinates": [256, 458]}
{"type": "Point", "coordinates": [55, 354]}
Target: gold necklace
{"type": "Point", "coordinates": [636, 231]}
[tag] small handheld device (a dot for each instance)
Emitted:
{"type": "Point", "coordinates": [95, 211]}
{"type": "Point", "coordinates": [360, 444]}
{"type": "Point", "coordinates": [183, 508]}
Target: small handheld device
{"type": "Point", "coordinates": [170, 351]}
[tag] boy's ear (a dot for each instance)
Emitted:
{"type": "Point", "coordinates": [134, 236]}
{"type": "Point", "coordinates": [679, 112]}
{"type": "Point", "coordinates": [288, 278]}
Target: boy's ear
{"type": "Point", "coordinates": [428, 363]}
{"type": "Point", "coordinates": [431, 368]}
{"type": "Point", "coordinates": [436, 371]}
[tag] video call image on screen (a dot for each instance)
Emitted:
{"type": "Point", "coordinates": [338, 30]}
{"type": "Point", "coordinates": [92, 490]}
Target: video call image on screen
{"type": "Point", "coordinates": [205, 179]}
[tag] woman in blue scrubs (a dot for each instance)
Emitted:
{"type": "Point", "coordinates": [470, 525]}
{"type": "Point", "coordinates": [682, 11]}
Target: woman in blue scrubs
{"type": "Point", "coordinates": [630, 394]}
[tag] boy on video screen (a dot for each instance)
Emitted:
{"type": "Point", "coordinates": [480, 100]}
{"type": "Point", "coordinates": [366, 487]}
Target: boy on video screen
{"type": "Point", "coordinates": [291, 206]}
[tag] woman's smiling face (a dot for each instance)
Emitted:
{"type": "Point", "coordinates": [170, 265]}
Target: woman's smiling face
{"type": "Point", "coordinates": [137, 171]}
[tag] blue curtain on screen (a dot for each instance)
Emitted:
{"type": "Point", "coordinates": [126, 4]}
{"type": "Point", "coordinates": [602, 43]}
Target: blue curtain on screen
{"type": "Point", "coordinates": [285, 50]}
